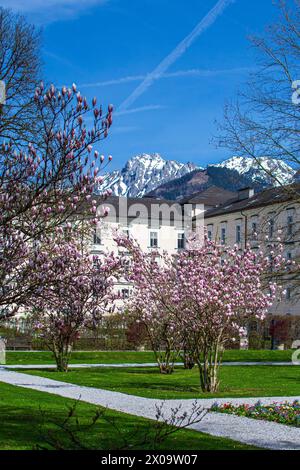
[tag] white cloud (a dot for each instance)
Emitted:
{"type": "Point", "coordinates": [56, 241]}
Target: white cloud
{"type": "Point", "coordinates": [47, 11]}
{"type": "Point", "coordinates": [179, 50]}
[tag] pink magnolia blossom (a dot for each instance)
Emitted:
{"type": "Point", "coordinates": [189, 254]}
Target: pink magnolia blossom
{"type": "Point", "coordinates": [71, 291]}
{"type": "Point", "coordinates": [201, 298]}
{"type": "Point", "coordinates": [44, 184]}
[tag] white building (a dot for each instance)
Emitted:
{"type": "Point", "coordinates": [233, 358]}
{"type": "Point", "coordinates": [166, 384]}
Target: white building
{"type": "Point", "coordinates": [258, 220]}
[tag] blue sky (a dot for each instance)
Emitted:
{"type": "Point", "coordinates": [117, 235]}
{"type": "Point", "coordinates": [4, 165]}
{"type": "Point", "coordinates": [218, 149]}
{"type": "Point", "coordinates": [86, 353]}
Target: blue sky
{"type": "Point", "coordinates": [107, 47]}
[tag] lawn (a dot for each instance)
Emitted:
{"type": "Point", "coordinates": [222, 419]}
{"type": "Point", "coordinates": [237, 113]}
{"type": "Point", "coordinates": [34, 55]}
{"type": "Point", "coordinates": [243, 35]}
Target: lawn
{"type": "Point", "coordinates": [113, 357]}
{"type": "Point", "coordinates": [27, 416]}
{"type": "Point", "coordinates": [236, 381]}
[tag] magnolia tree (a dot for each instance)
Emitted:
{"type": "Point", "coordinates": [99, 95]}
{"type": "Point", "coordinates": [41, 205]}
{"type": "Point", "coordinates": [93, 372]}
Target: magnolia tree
{"type": "Point", "coordinates": [219, 291]}
{"type": "Point", "coordinates": [71, 290]}
{"type": "Point", "coordinates": [43, 187]}
{"type": "Point", "coordinates": [207, 294]}
{"type": "Point", "coordinates": [151, 302]}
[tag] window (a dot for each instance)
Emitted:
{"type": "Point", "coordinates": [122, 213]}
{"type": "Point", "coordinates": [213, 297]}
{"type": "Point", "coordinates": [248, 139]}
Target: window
{"type": "Point", "coordinates": [125, 293]}
{"type": "Point", "coordinates": [289, 260]}
{"type": "Point", "coordinates": [153, 239]}
{"type": "Point", "coordinates": [223, 232]}
{"type": "Point", "coordinates": [126, 263]}
{"type": "Point", "coordinates": [210, 232]}
{"type": "Point", "coordinates": [271, 227]}
{"type": "Point", "coordinates": [254, 229]}
{"type": "Point", "coordinates": [290, 222]}
{"type": "Point", "coordinates": [96, 261]}
{"type": "Point", "coordinates": [271, 262]}
{"type": "Point", "coordinates": [238, 234]}
{"type": "Point", "coordinates": [180, 241]}
{"type": "Point", "coordinates": [223, 235]}
{"type": "Point", "coordinates": [96, 237]}
{"type": "Point", "coordinates": [288, 293]}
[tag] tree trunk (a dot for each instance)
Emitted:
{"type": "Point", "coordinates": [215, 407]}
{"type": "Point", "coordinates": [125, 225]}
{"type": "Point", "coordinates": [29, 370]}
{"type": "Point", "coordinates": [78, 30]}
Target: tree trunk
{"type": "Point", "coordinates": [62, 358]}
{"type": "Point", "coordinates": [62, 363]}
{"type": "Point", "coordinates": [165, 361]}
{"type": "Point", "coordinates": [164, 358]}
{"type": "Point", "coordinates": [209, 368]}
{"type": "Point", "coordinates": [188, 360]}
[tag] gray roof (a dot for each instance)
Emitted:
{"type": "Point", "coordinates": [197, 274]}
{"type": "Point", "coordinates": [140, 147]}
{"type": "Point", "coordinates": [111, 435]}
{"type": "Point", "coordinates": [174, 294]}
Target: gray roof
{"type": "Point", "coordinates": [264, 198]}
{"type": "Point", "coordinates": [115, 204]}
{"type": "Point", "coordinates": [212, 196]}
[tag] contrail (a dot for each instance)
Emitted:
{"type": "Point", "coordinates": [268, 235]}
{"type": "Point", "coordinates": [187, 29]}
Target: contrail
{"type": "Point", "coordinates": [164, 65]}
{"type": "Point", "coordinates": [179, 73]}
{"type": "Point", "coordinates": [150, 107]}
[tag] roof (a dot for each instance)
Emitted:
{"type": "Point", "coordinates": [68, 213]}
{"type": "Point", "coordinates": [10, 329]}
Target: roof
{"type": "Point", "coordinates": [211, 196]}
{"type": "Point", "coordinates": [124, 204]}
{"type": "Point", "coordinates": [264, 198]}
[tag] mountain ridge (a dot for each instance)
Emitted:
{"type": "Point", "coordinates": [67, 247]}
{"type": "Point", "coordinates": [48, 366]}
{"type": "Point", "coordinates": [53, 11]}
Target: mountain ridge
{"type": "Point", "coordinates": [154, 176]}
{"type": "Point", "coordinates": [143, 173]}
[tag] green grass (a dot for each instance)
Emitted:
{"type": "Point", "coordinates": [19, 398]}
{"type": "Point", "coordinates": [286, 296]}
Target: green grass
{"type": "Point", "coordinates": [111, 357]}
{"type": "Point", "coordinates": [78, 357]}
{"type": "Point", "coordinates": [236, 381]}
{"type": "Point", "coordinates": [27, 416]}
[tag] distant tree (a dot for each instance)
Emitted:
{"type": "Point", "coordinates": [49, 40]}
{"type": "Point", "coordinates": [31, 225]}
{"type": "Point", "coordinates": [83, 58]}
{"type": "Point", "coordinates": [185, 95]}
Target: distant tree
{"type": "Point", "coordinates": [264, 119]}
{"type": "Point", "coordinates": [136, 333]}
{"type": "Point", "coordinates": [20, 70]}
{"type": "Point", "coordinates": [280, 331]}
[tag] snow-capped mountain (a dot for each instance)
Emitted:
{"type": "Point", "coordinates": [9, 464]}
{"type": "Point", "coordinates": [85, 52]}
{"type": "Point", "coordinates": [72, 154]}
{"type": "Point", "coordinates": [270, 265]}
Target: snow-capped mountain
{"type": "Point", "coordinates": [150, 174]}
{"type": "Point", "coordinates": [143, 173]}
{"type": "Point", "coordinates": [266, 170]}
{"type": "Point", "coordinates": [232, 175]}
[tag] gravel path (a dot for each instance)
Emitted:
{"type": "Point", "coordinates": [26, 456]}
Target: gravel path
{"type": "Point", "coordinates": [144, 364]}
{"type": "Point", "coordinates": [259, 433]}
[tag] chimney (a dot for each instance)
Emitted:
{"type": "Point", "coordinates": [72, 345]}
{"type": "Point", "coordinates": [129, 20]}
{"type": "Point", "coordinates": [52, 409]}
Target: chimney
{"type": "Point", "coordinates": [245, 193]}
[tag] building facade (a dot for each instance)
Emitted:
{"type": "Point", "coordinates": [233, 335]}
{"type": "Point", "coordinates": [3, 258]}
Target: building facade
{"type": "Point", "coordinates": [154, 224]}
{"type": "Point", "coordinates": [261, 220]}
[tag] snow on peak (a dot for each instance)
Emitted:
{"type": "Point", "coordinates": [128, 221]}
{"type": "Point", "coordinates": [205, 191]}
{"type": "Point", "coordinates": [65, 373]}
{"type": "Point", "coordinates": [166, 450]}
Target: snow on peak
{"type": "Point", "coordinates": [271, 170]}
{"type": "Point", "coordinates": [143, 173]}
